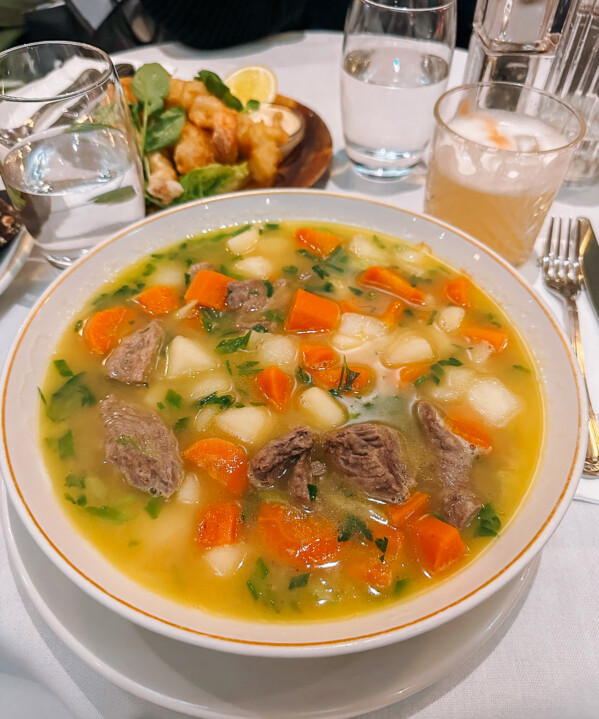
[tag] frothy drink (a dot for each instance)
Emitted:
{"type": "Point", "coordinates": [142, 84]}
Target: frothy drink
{"type": "Point", "coordinates": [494, 174]}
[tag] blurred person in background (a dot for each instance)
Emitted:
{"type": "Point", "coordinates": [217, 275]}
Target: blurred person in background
{"type": "Point", "coordinates": [120, 24]}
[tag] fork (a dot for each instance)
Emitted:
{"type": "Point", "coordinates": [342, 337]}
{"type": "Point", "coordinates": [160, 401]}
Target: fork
{"type": "Point", "coordinates": [562, 274]}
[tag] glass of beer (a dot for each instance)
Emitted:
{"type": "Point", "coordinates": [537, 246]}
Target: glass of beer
{"type": "Point", "coordinates": [499, 156]}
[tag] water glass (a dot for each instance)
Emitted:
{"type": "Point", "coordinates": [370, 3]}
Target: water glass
{"type": "Point", "coordinates": [499, 155]}
{"type": "Point", "coordinates": [396, 60]}
{"type": "Point", "coordinates": [574, 76]}
{"type": "Point", "coordinates": [68, 153]}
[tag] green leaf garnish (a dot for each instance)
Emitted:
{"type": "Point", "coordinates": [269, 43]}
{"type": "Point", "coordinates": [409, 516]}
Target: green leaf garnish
{"type": "Point", "coordinates": [63, 368]}
{"type": "Point", "coordinates": [235, 344]}
{"type": "Point", "coordinates": [217, 87]}
{"type": "Point", "coordinates": [312, 492]}
{"type": "Point", "coordinates": [489, 523]}
{"type": "Point", "coordinates": [298, 581]}
{"type": "Point", "coordinates": [73, 395]}
{"type": "Point", "coordinates": [353, 525]}
{"type": "Point", "coordinates": [154, 506]}
{"type": "Point", "coordinates": [223, 401]}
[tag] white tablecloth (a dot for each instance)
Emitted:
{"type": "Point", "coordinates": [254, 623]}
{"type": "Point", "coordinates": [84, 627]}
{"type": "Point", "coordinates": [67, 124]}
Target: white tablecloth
{"type": "Point", "coordinates": [542, 664]}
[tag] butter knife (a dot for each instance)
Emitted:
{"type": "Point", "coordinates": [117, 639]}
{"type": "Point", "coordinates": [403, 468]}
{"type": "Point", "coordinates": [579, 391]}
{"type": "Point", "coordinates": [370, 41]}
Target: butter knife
{"type": "Point", "coordinates": [589, 254]}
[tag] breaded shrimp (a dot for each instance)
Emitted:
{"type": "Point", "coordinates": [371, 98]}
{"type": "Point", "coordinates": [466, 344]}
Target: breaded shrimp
{"type": "Point", "coordinates": [209, 113]}
{"type": "Point", "coordinates": [182, 93]}
{"type": "Point", "coordinates": [193, 149]}
{"type": "Point", "coordinates": [256, 141]}
{"type": "Point", "coordinates": [163, 182]}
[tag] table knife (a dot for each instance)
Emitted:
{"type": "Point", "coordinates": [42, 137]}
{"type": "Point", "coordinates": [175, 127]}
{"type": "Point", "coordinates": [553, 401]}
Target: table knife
{"type": "Point", "coordinates": [589, 252]}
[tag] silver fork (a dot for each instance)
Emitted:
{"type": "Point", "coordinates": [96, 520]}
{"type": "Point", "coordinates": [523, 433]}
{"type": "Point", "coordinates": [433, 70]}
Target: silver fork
{"type": "Point", "coordinates": [562, 274]}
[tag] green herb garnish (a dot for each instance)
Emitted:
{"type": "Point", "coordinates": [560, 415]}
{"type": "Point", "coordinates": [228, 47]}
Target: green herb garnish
{"type": "Point", "coordinates": [235, 344]}
{"type": "Point", "coordinates": [298, 581]}
{"type": "Point", "coordinates": [489, 523]}
{"type": "Point", "coordinates": [353, 525]}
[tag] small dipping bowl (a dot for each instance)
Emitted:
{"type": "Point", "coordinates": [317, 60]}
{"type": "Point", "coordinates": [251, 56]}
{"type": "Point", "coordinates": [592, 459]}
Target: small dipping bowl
{"type": "Point", "coordinates": [292, 121]}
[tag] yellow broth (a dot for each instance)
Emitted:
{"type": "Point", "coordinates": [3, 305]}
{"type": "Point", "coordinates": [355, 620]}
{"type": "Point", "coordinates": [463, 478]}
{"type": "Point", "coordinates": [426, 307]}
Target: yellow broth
{"type": "Point", "coordinates": [152, 540]}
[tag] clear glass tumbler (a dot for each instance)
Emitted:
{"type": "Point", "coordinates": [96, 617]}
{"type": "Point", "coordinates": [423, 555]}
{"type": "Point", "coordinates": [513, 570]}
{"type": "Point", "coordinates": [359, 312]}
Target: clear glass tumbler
{"type": "Point", "coordinates": [68, 152]}
{"type": "Point", "coordinates": [396, 59]}
{"type": "Point", "coordinates": [574, 76]}
{"type": "Point", "coordinates": [499, 155]}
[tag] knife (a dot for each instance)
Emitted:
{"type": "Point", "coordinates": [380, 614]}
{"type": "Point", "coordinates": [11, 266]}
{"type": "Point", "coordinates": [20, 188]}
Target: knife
{"type": "Point", "coordinates": [589, 252]}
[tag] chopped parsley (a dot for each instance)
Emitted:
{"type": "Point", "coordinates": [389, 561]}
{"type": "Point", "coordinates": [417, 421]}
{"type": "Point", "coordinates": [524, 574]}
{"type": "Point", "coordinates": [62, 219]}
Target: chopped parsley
{"type": "Point", "coordinates": [225, 347]}
{"type": "Point", "coordinates": [154, 506]}
{"type": "Point", "coordinates": [298, 581]}
{"type": "Point", "coordinates": [223, 401]}
{"type": "Point", "coordinates": [174, 398]}
{"type": "Point", "coordinates": [489, 523]}
{"type": "Point", "coordinates": [313, 492]}
{"type": "Point", "coordinates": [353, 525]}
{"type": "Point", "coordinates": [303, 376]}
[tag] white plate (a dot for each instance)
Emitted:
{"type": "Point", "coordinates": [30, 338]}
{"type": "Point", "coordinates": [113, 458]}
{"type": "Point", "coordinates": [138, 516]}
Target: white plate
{"type": "Point", "coordinates": [197, 682]}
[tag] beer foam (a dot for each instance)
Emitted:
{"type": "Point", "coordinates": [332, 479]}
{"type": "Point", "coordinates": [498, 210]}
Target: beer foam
{"type": "Point", "coordinates": [505, 130]}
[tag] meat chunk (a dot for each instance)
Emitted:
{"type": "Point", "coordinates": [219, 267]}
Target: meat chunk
{"type": "Point", "coordinates": [453, 460]}
{"type": "Point", "coordinates": [290, 455]}
{"type": "Point", "coordinates": [372, 457]}
{"type": "Point", "coordinates": [247, 295]}
{"type": "Point", "coordinates": [10, 223]}
{"type": "Point", "coordinates": [133, 359]}
{"type": "Point", "coordinates": [141, 446]}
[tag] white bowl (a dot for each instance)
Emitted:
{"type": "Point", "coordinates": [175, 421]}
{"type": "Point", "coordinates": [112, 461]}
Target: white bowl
{"type": "Point", "coordinates": [523, 537]}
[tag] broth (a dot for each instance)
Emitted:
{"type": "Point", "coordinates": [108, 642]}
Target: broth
{"type": "Point", "coordinates": [261, 552]}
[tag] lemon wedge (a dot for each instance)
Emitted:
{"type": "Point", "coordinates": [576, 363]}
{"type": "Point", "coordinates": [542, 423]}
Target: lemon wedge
{"type": "Point", "coordinates": [253, 82]}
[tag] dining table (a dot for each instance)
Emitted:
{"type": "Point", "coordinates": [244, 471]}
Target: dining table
{"type": "Point", "coordinates": [537, 657]}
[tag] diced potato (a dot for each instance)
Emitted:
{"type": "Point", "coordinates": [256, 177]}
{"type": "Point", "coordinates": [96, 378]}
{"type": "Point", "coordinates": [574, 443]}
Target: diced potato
{"type": "Point", "coordinates": [187, 357]}
{"type": "Point", "coordinates": [406, 348]}
{"type": "Point", "coordinates": [247, 424]}
{"type": "Point", "coordinates": [323, 410]}
{"type": "Point", "coordinates": [454, 383]}
{"type": "Point", "coordinates": [412, 261]}
{"type": "Point", "coordinates": [245, 242]}
{"type": "Point", "coordinates": [255, 339]}
{"type": "Point", "coordinates": [218, 381]}
{"type": "Point", "coordinates": [190, 491]}
{"type": "Point", "coordinates": [257, 266]}
{"type": "Point", "coordinates": [226, 560]}
{"type": "Point", "coordinates": [493, 401]}
{"type": "Point", "coordinates": [279, 350]}
{"type": "Point", "coordinates": [345, 342]}
{"type": "Point", "coordinates": [167, 274]}
{"type": "Point", "coordinates": [480, 352]}
{"type": "Point", "coordinates": [450, 318]}
{"type": "Point", "coordinates": [362, 326]}
{"type": "Point", "coordinates": [364, 248]}
{"type": "Point", "coordinates": [203, 418]}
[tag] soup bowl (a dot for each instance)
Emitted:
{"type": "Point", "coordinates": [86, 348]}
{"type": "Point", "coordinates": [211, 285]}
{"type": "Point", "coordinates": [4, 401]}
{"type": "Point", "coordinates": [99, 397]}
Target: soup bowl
{"type": "Point", "coordinates": [31, 491]}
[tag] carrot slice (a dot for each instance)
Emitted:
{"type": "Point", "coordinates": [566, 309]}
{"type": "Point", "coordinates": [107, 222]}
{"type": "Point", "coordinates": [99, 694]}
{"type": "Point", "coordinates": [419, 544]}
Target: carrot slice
{"type": "Point", "coordinates": [437, 544]}
{"type": "Point", "coordinates": [411, 372]}
{"type": "Point", "coordinates": [159, 300]}
{"type": "Point", "coordinates": [223, 461]}
{"type": "Point", "coordinates": [297, 538]}
{"type": "Point", "coordinates": [493, 336]}
{"type": "Point", "coordinates": [468, 429]}
{"type": "Point", "coordinates": [391, 281]}
{"type": "Point", "coordinates": [276, 386]}
{"type": "Point", "coordinates": [218, 525]}
{"type": "Point", "coordinates": [315, 356]}
{"type": "Point", "coordinates": [349, 306]}
{"type": "Point", "coordinates": [337, 378]}
{"type": "Point", "coordinates": [363, 565]}
{"type": "Point", "coordinates": [311, 313]}
{"type": "Point", "coordinates": [320, 243]}
{"type": "Point", "coordinates": [209, 289]}
{"type": "Point", "coordinates": [413, 508]}
{"type": "Point", "coordinates": [457, 291]}
{"type": "Point", "coordinates": [391, 313]}
{"type": "Point", "coordinates": [103, 330]}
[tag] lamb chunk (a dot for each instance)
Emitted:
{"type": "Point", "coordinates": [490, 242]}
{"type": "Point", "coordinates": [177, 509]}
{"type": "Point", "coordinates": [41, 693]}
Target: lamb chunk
{"type": "Point", "coordinates": [276, 457]}
{"type": "Point", "coordinates": [299, 478]}
{"type": "Point", "coordinates": [454, 458]}
{"type": "Point", "coordinates": [372, 457]}
{"type": "Point", "coordinates": [247, 295]}
{"type": "Point", "coordinates": [250, 299]}
{"type": "Point", "coordinates": [133, 359]}
{"type": "Point", "coordinates": [460, 506]}
{"type": "Point", "coordinates": [141, 446]}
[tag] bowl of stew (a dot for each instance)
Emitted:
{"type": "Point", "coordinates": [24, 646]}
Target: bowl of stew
{"type": "Point", "coordinates": [290, 423]}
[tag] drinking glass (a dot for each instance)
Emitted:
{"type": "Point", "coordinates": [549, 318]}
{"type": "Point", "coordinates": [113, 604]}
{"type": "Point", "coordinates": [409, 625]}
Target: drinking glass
{"type": "Point", "coordinates": [68, 153]}
{"type": "Point", "coordinates": [396, 59]}
{"type": "Point", "coordinates": [500, 153]}
{"type": "Point", "coordinates": [574, 76]}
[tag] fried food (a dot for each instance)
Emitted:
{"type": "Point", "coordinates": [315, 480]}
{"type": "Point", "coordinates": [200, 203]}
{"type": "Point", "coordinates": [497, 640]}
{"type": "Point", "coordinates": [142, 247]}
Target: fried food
{"type": "Point", "coordinates": [193, 149]}
{"type": "Point", "coordinates": [213, 133]}
{"type": "Point", "coordinates": [163, 181]}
